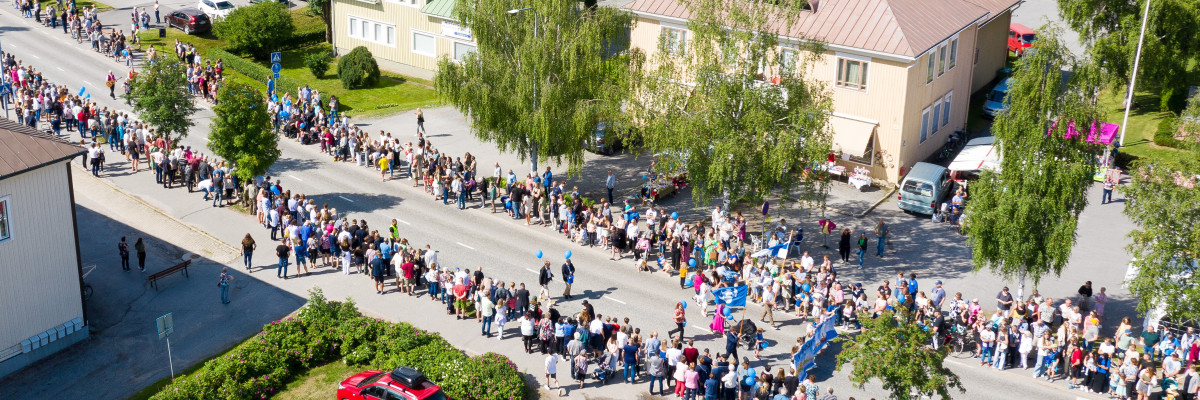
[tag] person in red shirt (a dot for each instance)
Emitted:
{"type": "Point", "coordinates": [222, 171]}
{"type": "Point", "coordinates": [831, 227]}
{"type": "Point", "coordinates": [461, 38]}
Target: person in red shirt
{"type": "Point", "coordinates": [408, 269]}
{"type": "Point", "coordinates": [691, 353]}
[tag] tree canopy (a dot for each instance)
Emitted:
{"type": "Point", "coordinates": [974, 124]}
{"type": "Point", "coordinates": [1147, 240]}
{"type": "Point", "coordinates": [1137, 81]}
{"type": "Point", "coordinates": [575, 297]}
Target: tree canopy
{"type": "Point", "coordinates": [257, 29]}
{"type": "Point", "coordinates": [728, 101]}
{"type": "Point", "coordinates": [322, 8]}
{"type": "Point", "coordinates": [241, 130]}
{"type": "Point", "coordinates": [894, 349]}
{"type": "Point", "coordinates": [1165, 204]}
{"type": "Point", "coordinates": [1022, 220]}
{"type": "Point", "coordinates": [161, 97]}
{"type": "Point", "coordinates": [569, 69]}
{"type": "Point", "coordinates": [1111, 29]}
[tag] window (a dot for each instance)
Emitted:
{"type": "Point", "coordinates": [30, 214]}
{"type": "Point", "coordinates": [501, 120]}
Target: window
{"type": "Point", "coordinates": [946, 108]}
{"type": "Point", "coordinates": [941, 60]}
{"type": "Point", "coordinates": [933, 125]}
{"type": "Point", "coordinates": [787, 61]}
{"type": "Point", "coordinates": [372, 31]}
{"type": "Point", "coordinates": [924, 123]}
{"type": "Point", "coordinates": [424, 44]}
{"type": "Point", "coordinates": [410, 3]}
{"type": "Point", "coordinates": [929, 76]}
{"type": "Point", "coordinates": [5, 223]}
{"type": "Point", "coordinates": [674, 40]}
{"type": "Point", "coordinates": [953, 53]}
{"type": "Point", "coordinates": [852, 73]}
{"type": "Point", "coordinates": [462, 49]}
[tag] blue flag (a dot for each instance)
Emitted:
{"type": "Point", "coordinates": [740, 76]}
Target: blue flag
{"type": "Point", "coordinates": [732, 296]}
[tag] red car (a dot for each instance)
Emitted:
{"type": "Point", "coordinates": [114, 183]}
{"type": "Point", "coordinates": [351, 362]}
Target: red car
{"type": "Point", "coordinates": [403, 383]}
{"type": "Point", "coordinates": [1020, 38]}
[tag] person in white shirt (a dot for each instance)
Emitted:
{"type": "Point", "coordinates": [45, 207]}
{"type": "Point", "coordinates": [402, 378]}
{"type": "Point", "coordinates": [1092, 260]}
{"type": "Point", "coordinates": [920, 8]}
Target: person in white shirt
{"type": "Point", "coordinates": [551, 370]}
{"type": "Point", "coordinates": [806, 261]}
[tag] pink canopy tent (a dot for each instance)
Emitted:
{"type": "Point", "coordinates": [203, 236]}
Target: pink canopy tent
{"type": "Point", "coordinates": [1104, 135]}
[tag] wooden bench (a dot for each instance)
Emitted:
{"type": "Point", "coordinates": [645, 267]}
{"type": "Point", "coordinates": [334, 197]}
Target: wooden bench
{"type": "Point", "coordinates": [183, 266]}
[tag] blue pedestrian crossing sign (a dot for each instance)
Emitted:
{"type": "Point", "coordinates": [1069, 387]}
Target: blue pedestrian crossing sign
{"type": "Point", "coordinates": [276, 57]}
{"type": "Point", "coordinates": [5, 89]}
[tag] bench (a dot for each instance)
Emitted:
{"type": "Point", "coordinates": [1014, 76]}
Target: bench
{"type": "Point", "coordinates": [183, 266]}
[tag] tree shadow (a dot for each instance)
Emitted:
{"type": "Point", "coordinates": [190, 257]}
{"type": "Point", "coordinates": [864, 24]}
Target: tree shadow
{"type": "Point", "coordinates": [358, 202]}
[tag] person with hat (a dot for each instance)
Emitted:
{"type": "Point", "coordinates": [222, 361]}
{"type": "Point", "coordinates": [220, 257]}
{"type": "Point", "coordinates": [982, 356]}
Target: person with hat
{"type": "Point", "coordinates": [939, 295]}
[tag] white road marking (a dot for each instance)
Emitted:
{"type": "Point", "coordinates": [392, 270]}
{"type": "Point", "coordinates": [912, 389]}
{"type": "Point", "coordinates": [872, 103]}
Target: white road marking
{"type": "Point", "coordinates": [702, 328]}
{"type": "Point", "coordinates": [346, 198]}
{"type": "Point", "coordinates": [463, 245]}
{"type": "Point", "coordinates": [404, 222]}
{"type": "Point", "coordinates": [35, 56]}
{"type": "Point", "coordinates": [294, 177]}
{"type": "Point", "coordinates": [60, 69]}
{"type": "Point", "coordinates": [530, 270]}
{"type": "Point", "coordinates": [89, 83]}
{"type": "Point", "coordinates": [610, 298]}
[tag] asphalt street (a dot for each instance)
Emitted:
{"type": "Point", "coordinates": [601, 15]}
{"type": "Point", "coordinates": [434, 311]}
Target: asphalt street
{"type": "Point", "coordinates": [505, 249]}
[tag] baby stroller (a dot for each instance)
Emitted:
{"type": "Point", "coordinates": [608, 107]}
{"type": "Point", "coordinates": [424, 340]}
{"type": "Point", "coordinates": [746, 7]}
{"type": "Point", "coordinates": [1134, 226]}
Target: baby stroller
{"type": "Point", "coordinates": [746, 331]}
{"type": "Point", "coordinates": [605, 369]}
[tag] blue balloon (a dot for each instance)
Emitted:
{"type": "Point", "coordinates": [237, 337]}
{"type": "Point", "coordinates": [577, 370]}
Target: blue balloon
{"type": "Point", "coordinates": [684, 305]}
{"type": "Point", "coordinates": [692, 262]}
{"type": "Point", "coordinates": [539, 254]}
{"type": "Point", "coordinates": [567, 255]}
{"type": "Point", "coordinates": [727, 312]}
{"type": "Point", "coordinates": [674, 215]}
{"type": "Point", "coordinates": [570, 279]}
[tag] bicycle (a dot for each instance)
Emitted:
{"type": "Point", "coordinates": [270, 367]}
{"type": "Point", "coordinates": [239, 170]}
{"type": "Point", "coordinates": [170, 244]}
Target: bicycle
{"type": "Point", "coordinates": [87, 288]}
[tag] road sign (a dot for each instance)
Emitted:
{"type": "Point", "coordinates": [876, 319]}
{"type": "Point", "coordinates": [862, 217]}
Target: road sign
{"type": "Point", "coordinates": [166, 325]}
{"type": "Point", "coordinates": [5, 89]}
{"type": "Point", "coordinates": [276, 68]}
{"type": "Point", "coordinates": [276, 57]}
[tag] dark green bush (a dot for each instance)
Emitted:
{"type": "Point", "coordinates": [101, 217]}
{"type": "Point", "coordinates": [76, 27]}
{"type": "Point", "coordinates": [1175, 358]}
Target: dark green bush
{"type": "Point", "coordinates": [358, 69]}
{"type": "Point", "coordinates": [1165, 134]}
{"type": "Point", "coordinates": [255, 71]}
{"type": "Point", "coordinates": [318, 63]}
{"type": "Point", "coordinates": [257, 29]}
{"type": "Point", "coordinates": [327, 331]}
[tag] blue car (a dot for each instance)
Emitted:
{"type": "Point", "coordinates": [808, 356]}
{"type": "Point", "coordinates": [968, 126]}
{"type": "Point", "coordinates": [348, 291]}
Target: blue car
{"type": "Point", "coordinates": [994, 103]}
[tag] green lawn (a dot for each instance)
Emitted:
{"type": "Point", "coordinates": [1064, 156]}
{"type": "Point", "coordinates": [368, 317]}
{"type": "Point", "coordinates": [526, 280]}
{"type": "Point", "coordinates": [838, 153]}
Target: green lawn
{"type": "Point", "coordinates": [319, 383]}
{"type": "Point", "coordinates": [1143, 121]}
{"type": "Point", "coordinates": [393, 93]}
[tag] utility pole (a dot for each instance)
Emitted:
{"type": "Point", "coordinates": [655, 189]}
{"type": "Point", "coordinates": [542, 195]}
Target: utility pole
{"type": "Point", "coordinates": [533, 147]}
{"type": "Point", "coordinates": [1133, 78]}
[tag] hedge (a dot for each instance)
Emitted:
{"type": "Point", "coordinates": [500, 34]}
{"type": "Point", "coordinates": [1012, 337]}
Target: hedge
{"type": "Point", "coordinates": [303, 39]}
{"type": "Point", "coordinates": [255, 71]}
{"type": "Point", "coordinates": [326, 331]}
{"type": "Point", "coordinates": [1165, 134]}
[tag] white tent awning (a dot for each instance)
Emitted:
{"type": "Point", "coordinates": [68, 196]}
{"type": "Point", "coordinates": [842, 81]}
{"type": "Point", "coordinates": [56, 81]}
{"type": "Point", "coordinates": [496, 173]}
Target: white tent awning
{"type": "Point", "coordinates": [851, 136]}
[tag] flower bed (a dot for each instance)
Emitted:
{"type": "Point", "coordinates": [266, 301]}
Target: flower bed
{"type": "Point", "coordinates": [327, 331]}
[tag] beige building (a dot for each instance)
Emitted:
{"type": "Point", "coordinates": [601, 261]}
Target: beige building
{"type": "Point", "coordinates": [41, 301]}
{"type": "Point", "coordinates": [406, 36]}
{"type": "Point", "coordinates": [901, 72]}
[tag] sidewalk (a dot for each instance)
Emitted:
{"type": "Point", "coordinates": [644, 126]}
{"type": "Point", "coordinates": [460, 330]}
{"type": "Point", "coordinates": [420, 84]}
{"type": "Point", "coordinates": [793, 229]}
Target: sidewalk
{"type": "Point", "coordinates": [124, 353]}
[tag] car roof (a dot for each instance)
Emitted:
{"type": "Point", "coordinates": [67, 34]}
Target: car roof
{"type": "Point", "coordinates": [190, 11]}
{"type": "Point", "coordinates": [1004, 85]}
{"type": "Point", "coordinates": [1018, 28]}
{"type": "Point", "coordinates": [924, 170]}
{"type": "Point", "coordinates": [427, 388]}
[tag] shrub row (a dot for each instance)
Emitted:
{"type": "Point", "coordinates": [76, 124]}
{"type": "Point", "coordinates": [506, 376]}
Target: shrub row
{"type": "Point", "coordinates": [304, 39]}
{"type": "Point", "coordinates": [327, 331]}
{"type": "Point", "coordinates": [255, 71]}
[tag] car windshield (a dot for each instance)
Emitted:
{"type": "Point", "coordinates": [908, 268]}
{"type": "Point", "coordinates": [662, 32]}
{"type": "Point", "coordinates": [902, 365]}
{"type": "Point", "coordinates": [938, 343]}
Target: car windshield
{"type": "Point", "coordinates": [370, 379]}
{"type": "Point", "coordinates": [1028, 38]}
{"type": "Point", "coordinates": [224, 5]}
{"type": "Point", "coordinates": [996, 96]}
{"type": "Point", "coordinates": [918, 188]}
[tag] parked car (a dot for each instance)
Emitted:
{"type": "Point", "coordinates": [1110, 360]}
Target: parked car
{"type": "Point", "coordinates": [923, 188]}
{"type": "Point", "coordinates": [1020, 38]}
{"type": "Point", "coordinates": [216, 9]}
{"type": "Point", "coordinates": [402, 383]}
{"type": "Point", "coordinates": [284, 2]}
{"type": "Point", "coordinates": [604, 139]}
{"type": "Point", "coordinates": [189, 20]}
{"type": "Point", "coordinates": [993, 104]}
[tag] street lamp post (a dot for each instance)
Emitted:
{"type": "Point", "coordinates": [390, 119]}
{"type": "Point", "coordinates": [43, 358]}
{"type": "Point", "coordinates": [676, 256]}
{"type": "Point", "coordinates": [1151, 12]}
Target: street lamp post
{"type": "Point", "coordinates": [533, 147]}
{"type": "Point", "coordinates": [1133, 77]}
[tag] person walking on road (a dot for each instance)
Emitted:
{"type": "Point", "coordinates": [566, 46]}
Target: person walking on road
{"type": "Point", "coordinates": [223, 283]}
{"type": "Point", "coordinates": [140, 248]}
{"type": "Point", "coordinates": [544, 279]}
{"type": "Point", "coordinates": [123, 251]}
{"type": "Point", "coordinates": [881, 235]}
{"type": "Point", "coordinates": [248, 247]}
{"type": "Point", "coordinates": [420, 121]}
{"type": "Point", "coordinates": [844, 245]}
{"type": "Point", "coordinates": [680, 320]}
{"type": "Point", "coordinates": [1111, 179]}
{"type": "Point", "coordinates": [282, 251]}
{"type": "Point", "coordinates": [568, 273]}
{"type": "Point", "coordinates": [862, 248]}
{"type": "Point", "coordinates": [609, 183]}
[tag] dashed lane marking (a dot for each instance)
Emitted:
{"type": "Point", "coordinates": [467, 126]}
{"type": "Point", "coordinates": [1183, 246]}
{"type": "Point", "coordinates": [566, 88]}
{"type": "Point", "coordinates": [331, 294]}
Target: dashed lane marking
{"type": "Point", "coordinates": [463, 245]}
{"type": "Point", "coordinates": [610, 298]}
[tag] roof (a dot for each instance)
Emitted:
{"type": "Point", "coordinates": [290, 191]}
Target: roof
{"type": "Point", "coordinates": [26, 149]}
{"type": "Point", "coordinates": [439, 8]}
{"type": "Point", "coordinates": [902, 27]}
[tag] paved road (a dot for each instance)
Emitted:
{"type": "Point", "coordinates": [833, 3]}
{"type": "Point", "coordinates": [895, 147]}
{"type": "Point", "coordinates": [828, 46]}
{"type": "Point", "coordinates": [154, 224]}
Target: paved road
{"type": "Point", "coordinates": [505, 249]}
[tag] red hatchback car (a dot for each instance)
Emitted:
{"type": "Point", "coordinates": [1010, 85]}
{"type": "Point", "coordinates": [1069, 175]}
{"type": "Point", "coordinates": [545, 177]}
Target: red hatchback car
{"type": "Point", "coordinates": [403, 383]}
{"type": "Point", "coordinates": [1020, 38]}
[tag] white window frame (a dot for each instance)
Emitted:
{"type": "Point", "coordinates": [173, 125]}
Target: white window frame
{"type": "Point", "coordinates": [924, 124]}
{"type": "Point", "coordinates": [408, 3]}
{"type": "Point", "coordinates": [454, 48]}
{"type": "Point", "coordinates": [784, 60]}
{"type": "Point", "coordinates": [936, 117]}
{"type": "Point", "coordinates": [671, 49]}
{"type": "Point", "coordinates": [929, 66]}
{"type": "Point", "coordinates": [953, 53]}
{"type": "Point", "coordinates": [864, 72]}
{"type": "Point", "coordinates": [946, 102]}
{"type": "Point", "coordinates": [6, 225]}
{"type": "Point", "coordinates": [942, 53]}
{"type": "Point", "coordinates": [369, 30]}
{"type": "Point", "coordinates": [413, 42]}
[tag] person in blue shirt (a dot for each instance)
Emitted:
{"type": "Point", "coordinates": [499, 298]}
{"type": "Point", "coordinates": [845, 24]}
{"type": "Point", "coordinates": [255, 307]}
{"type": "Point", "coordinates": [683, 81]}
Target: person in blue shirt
{"type": "Point", "coordinates": [710, 388]}
{"type": "Point", "coordinates": [630, 356]}
{"type": "Point", "coordinates": [547, 179]}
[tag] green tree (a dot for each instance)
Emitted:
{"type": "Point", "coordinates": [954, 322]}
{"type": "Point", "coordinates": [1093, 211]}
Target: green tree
{"type": "Point", "coordinates": [748, 120]}
{"type": "Point", "coordinates": [321, 8]}
{"type": "Point", "coordinates": [241, 130]}
{"type": "Point", "coordinates": [358, 69]}
{"type": "Point", "coordinates": [258, 29]}
{"type": "Point", "coordinates": [1165, 204]}
{"type": "Point", "coordinates": [542, 78]}
{"type": "Point", "coordinates": [1022, 220]}
{"type": "Point", "coordinates": [894, 349]}
{"type": "Point", "coordinates": [1111, 28]}
{"type": "Point", "coordinates": [162, 99]}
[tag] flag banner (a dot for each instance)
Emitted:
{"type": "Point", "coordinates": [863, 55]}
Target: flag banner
{"type": "Point", "coordinates": [732, 296]}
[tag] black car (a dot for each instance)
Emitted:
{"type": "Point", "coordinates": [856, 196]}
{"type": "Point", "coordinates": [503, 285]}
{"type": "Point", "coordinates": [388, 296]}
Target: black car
{"type": "Point", "coordinates": [284, 2]}
{"type": "Point", "coordinates": [190, 21]}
